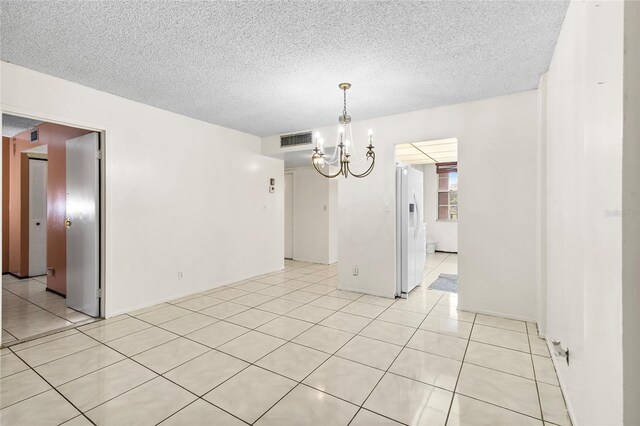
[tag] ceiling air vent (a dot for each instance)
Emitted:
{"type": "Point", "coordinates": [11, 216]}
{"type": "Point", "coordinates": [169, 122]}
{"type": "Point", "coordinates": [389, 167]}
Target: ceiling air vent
{"type": "Point", "coordinates": [295, 139]}
{"type": "Point", "coordinates": [34, 136]}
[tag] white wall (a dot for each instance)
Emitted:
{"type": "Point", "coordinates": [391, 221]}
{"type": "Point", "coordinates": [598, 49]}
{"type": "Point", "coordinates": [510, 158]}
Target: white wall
{"type": "Point", "coordinates": [333, 221]}
{"type": "Point", "coordinates": [497, 253]}
{"type": "Point", "coordinates": [631, 218]}
{"type": "Point", "coordinates": [583, 204]}
{"type": "Point", "coordinates": [444, 233]}
{"type": "Point", "coordinates": [314, 230]}
{"type": "Point", "coordinates": [181, 194]}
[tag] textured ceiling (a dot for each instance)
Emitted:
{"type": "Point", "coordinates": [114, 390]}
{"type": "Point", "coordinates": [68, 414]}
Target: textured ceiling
{"type": "Point", "coordinates": [12, 125]}
{"type": "Point", "coordinates": [273, 67]}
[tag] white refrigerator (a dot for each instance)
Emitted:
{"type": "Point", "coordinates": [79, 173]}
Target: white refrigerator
{"type": "Point", "coordinates": [410, 229]}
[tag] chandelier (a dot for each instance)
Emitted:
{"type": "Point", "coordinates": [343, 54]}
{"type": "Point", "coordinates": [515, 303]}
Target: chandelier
{"type": "Point", "coordinates": [344, 149]}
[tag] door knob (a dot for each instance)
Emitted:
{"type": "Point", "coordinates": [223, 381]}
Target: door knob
{"type": "Point", "coordinates": [67, 223]}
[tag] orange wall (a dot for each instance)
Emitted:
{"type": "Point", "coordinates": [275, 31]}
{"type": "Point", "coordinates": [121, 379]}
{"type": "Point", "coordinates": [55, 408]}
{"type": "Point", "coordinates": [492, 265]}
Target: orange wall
{"type": "Point", "coordinates": [55, 137]}
{"type": "Point", "coordinates": [6, 144]}
{"type": "Point", "coordinates": [17, 265]}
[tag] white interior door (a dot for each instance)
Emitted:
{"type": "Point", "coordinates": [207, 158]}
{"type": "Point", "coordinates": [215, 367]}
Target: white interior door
{"type": "Point", "coordinates": [82, 224]}
{"type": "Point", "coordinates": [288, 215]}
{"type": "Point", "coordinates": [37, 217]}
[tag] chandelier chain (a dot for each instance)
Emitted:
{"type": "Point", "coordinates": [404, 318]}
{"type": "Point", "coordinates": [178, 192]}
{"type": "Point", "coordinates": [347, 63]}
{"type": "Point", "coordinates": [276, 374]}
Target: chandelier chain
{"type": "Point", "coordinates": [344, 110]}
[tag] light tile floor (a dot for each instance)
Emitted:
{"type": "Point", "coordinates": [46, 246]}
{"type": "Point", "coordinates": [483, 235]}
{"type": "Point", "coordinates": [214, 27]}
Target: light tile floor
{"type": "Point", "coordinates": [288, 349]}
{"type": "Point", "coordinates": [28, 309]}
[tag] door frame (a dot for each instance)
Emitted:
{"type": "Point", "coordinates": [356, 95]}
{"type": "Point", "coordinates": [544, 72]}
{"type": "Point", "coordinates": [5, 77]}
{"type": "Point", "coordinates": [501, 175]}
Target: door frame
{"type": "Point", "coordinates": [102, 186]}
{"type": "Point", "coordinates": [293, 178]}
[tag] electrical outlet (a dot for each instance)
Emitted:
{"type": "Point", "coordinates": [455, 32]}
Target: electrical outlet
{"type": "Point", "coordinates": [180, 275]}
{"type": "Point", "coordinates": [355, 271]}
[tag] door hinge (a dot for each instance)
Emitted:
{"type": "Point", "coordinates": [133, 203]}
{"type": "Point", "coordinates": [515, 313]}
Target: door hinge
{"type": "Point", "coordinates": [99, 292]}
{"type": "Point", "coordinates": [99, 154]}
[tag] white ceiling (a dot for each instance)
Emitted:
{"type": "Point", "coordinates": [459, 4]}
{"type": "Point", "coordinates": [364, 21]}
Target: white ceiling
{"type": "Point", "coordinates": [12, 125]}
{"type": "Point", "coordinates": [273, 67]}
{"type": "Point", "coordinates": [428, 152]}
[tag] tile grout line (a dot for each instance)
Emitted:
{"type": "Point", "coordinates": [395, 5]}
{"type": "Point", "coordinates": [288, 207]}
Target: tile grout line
{"type": "Point", "coordinates": [128, 357]}
{"type": "Point", "coordinates": [394, 360]}
{"type": "Point", "coordinates": [499, 371]}
{"type": "Point", "coordinates": [54, 388]}
{"type": "Point", "coordinates": [211, 349]}
{"type": "Point", "coordinates": [300, 382]}
{"type": "Point", "coordinates": [278, 315]}
{"type": "Point", "coordinates": [455, 388]}
{"type": "Point", "coordinates": [35, 304]}
{"type": "Point", "coordinates": [436, 266]}
{"type": "Point", "coordinates": [106, 343]}
{"type": "Point", "coordinates": [225, 319]}
{"type": "Point", "coordinates": [53, 333]}
{"type": "Point", "coordinates": [55, 359]}
{"type": "Point", "coordinates": [9, 333]}
{"type": "Point", "coordinates": [158, 375]}
{"type": "Point", "coordinates": [535, 377]}
{"type": "Point", "coordinates": [321, 364]}
{"type": "Point", "coordinates": [158, 326]}
{"type": "Point", "coordinates": [101, 368]}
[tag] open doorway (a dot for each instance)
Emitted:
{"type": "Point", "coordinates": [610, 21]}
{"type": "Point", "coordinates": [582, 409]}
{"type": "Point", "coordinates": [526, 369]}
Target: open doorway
{"type": "Point", "coordinates": [426, 216]}
{"type": "Point", "coordinates": [310, 212]}
{"type": "Point", "coordinates": [51, 227]}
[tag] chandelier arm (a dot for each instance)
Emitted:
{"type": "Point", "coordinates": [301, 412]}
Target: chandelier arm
{"type": "Point", "coordinates": [366, 172]}
{"type": "Point", "coordinates": [329, 176]}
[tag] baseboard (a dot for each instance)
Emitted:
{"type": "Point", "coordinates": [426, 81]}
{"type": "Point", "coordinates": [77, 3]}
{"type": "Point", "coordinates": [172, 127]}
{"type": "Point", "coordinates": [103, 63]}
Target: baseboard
{"type": "Point", "coordinates": [178, 296]}
{"type": "Point", "coordinates": [56, 292]}
{"type": "Point", "coordinates": [15, 275]}
{"type": "Point", "coordinates": [358, 290]}
{"type": "Point", "coordinates": [323, 262]}
{"type": "Point", "coordinates": [496, 314]}
{"type": "Point", "coordinates": [563, 387]}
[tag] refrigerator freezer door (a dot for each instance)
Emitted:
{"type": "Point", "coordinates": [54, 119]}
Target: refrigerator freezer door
{"type": "Point", "coordinates": [415, 242]}
{"type": "Point", "coordinates": [410, 235]}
